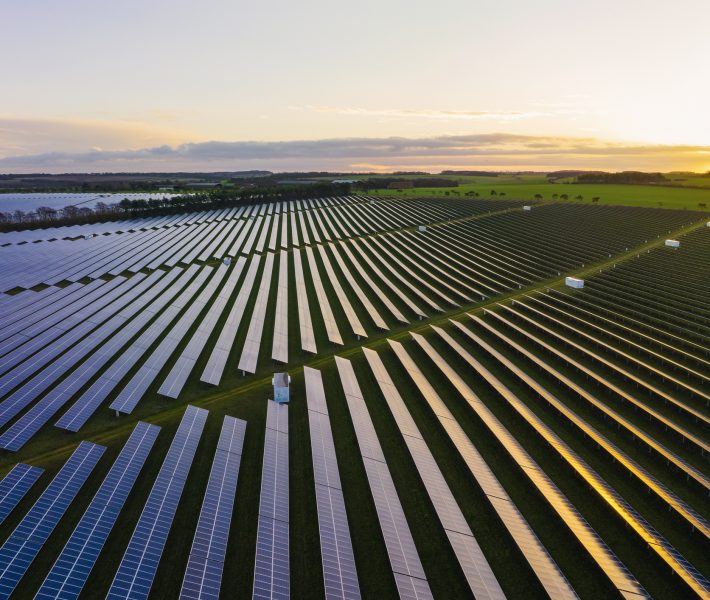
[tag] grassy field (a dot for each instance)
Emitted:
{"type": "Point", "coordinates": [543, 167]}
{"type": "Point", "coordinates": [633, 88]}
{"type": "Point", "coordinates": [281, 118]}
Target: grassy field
{"type": "Point", "coordinates": [694, 180]}
{"type": "Point", "coordinates": [631, 195]}
{"type": "Point", "coordinates": [245, 398]}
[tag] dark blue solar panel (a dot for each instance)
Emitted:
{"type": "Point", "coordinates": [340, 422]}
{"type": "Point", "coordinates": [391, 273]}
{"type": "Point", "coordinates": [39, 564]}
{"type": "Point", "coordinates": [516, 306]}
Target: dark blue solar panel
{"type": "Point", "coordinates": [203, 574]}
{"type": "Point", "coordinates": [271, 568]}
{"type": "Point", "coordinates": [135, 574]}
{"type": "Point", "coordinates": [15, 485]}
{"type": "Point", "coordinates": [21, 548]}
{"type": "Point", "coordinates": [72, 568]}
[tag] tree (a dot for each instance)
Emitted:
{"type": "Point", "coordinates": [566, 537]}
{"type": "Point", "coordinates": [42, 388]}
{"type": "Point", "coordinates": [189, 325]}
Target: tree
{"type": "Point", "coordinates": [493, 193]}
{"type": "Point", "coordinates": [595, 199]}
{"type": "Point", "coordinates": [46, 213]}
{"type": "Point", "coordinates": [538, 196]}
{"type": "Point", "coordinates": [555, 196]}
{"type": "Point", "coordinates": [70, 211]}
{"type": "Point", "coordinates": [564, 197]}
{"type": "Point", "coordinates": [579, 197]}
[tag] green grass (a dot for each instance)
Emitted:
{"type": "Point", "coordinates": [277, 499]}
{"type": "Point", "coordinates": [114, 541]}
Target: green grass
{"type": "Point", "coordinates": [629, 195]}
{"type": "Point", "coordinates": [690, 179]}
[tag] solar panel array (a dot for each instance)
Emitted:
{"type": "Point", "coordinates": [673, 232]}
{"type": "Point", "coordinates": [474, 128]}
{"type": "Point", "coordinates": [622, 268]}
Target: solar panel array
{"type": "Point", "coordinates": [75, 253]}
{"type": "Point", "coordinates": [146, 309]}
{"type": "Point", "coordinates": [25, 427]}
{"type": "Point", "coordinates": [545, 568]}
{"type": "Point", "coordinates": [648, 534]}
{"type": "Point", "coordinates": [220, 353]}
{"type": "Point", "coordinates": [203, 573]}
{"type": "Point", "coordinates": [68, 576]}
{"type": "Point", "coordinates": [608, 562]}
{"type": "Point", "coordinates": [339, 571]}
{"type": "Point", "coordinates": [654, 485]}
{"type": "Point", "coordinates": [404, 559]}
{"type": "Point", "coordinates": [139, 564]}
{"type": "Point", "coordinates": [480, 577]}
{"type": "Point", "coordinates": [25, 542]}
{"type": "Point", "coordinates": [133, 391]}
{"type": "Point", "coordinates": [271, 565]}
{"type": "Point", "coordinates": [15, 485]}
{"type": "Point", "coordinates": [369, 268]}
{"type": "Point", "coordinates": [176, 379]}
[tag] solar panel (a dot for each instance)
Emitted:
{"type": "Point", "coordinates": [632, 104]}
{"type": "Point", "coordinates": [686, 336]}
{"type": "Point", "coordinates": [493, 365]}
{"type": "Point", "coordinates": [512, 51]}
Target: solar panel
{"type": "Point", "coordinates": [203, 573]}
{"type": "Point", "coordinates": [15, 485]}
{"type": "Point", "coordinates": [139, 564]}
{"type": "Point", "coordinates": [339, 572]}
{"type": "Point", "coordinates": [331, 324]}
{"type": "Point", "coordinates": [401, 549]}
{"type": "Point", "coordinates": [271, 568]}
{"type": "Point", "coordinates": [25, 542]}
{"type": "Point", "coordinates": [71, 569]}
{"type": "Point", "coordinates": [122, 329]}
{"type": "Point", "coordinates": [280, 343]}
{"type": "Point", "coordinates": [406, 276]}
{"type": "Point", "coordinates": [252, 343]}
{"type": "Point", "coordinates": [305, 324]}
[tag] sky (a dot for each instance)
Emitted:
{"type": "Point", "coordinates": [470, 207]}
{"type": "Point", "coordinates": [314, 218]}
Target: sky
{"type": "Point", "coordinates": [164, 85]}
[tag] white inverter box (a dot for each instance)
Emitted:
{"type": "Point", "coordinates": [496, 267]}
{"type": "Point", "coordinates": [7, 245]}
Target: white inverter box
{"type": "Point", "coordinates": [574, 282]}
{"type": "Point", "coordinates": [673, 243]}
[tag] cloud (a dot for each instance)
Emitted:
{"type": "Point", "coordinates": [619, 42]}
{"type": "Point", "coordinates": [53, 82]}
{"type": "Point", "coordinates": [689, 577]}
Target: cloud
{"type": "Point", "coordinates": [497, 150]}
{"type": "Point", "coordinates": [441, 115]}
{"type": "Point", "coordinates": [35, 136]}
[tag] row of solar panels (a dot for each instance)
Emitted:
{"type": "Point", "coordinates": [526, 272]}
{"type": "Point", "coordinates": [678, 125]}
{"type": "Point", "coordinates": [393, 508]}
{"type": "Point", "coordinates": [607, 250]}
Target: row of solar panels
{"type": "Point", "coordinates": [647, 534]}
{"type": "Point", "coordinates": [156, 244]}
{"type": "Point", "coordinates": [135, 574]}
{"type": "Point", "coordinates": [82, 328]}
{"type": "Point", "coordinates": [196, 217]}
{"type": "Point", "coordinates": [271, 566]}
{"type": "Point", "coordinates": [170, 245]}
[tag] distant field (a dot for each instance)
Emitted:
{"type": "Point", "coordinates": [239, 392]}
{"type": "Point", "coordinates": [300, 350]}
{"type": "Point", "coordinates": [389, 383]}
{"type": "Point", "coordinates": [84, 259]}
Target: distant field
{"type": "Point", "coordinates": [632, 195]}
{"type": "Point", "coordinates": [690, 180]}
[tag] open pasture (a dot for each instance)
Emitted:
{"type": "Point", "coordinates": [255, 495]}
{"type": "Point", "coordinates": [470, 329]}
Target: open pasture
{"type": "Point", "coordinates": [653, 196]}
